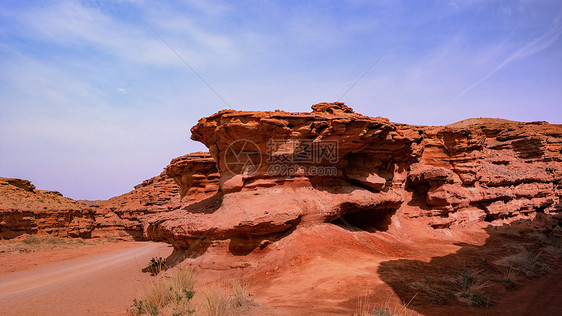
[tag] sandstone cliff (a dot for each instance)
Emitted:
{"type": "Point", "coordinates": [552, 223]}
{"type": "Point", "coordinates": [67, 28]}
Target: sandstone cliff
{"type": "Point", "coordinates": [125, 215]}
{"type": "Point", "coordinates": [25, 210]}
{"type": "Point", "coordinates": [279, 171]}
{"type": "Point", "coordinates": [328, 202]}
{"type": "Point", "coordinates": [268, 173]}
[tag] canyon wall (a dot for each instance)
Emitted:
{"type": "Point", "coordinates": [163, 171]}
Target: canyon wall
{"type": "Point", "coordinates": [281, 170]}
{"type": "Point", "coordinates": [192, 177]}
{"type": "Point", "coordinates": [268, 173]}
{"type": "Point", "coordinates": [26, 210]}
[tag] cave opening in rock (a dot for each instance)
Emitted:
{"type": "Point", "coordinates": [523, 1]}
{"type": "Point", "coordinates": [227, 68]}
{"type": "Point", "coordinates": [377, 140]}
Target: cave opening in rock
{"type": "Point", "coordinates": [366, 220]}
{"type": "Point", "coordinates": [489, 218]}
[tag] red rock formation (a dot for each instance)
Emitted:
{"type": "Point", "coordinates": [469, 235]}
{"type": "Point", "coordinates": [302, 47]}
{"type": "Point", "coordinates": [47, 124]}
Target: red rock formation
{"type": "Point", "coordinates": [125, 215]}
{"type": "Point", "coordinates": [25, 210]}
{"type": "Point", "coordinates": [270, 172]}
{"type": "Point", "coordinates": [196, 175]}
{"type": "Point", "coordinates": [121, 216]}
{"type": "Point", "coordinates": [269, 162]}
{"type": "Point", "coordinates": [501, 169]}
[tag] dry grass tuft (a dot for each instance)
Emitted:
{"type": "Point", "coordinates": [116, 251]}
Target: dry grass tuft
{"type": "Point", "coordinates": [364, 308]}
{"type": "Point", "coordinates": [219, 301]}
{"type": "Point", "coordinates": [526, 262]}
{"type": "Point", "coordinates": [168, 296]}
{"type": "Point", "coordinates": [240, 295]}
{"type": "Point", "coordinates": [469, 286]}
{"type": "Point", "coordinates": [509, 279]}
{"type": "Point", "coordinates": [156, 265]}
{"type": "Point", "coordinates": [173, 296]}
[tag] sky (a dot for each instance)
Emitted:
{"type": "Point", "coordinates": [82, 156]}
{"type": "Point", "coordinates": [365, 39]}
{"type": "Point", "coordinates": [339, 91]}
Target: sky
{"type": "Point", "coordinates": [94, 98]}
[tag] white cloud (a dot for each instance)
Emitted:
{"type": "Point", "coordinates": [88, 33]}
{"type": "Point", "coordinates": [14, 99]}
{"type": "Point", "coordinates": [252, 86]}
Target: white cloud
{"type": "Point", "coordinates": [76, 25]}
{"type": "Point", "coordinates": [89, 84]}
{"type": "Point", "coordinates": [536, 45]}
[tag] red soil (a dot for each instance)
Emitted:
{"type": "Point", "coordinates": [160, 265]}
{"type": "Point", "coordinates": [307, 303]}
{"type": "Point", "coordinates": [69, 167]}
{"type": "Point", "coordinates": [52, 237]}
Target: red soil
{"type": "Point", "coordinates": [13, 262]}
{"type": "Point", "coordinates": [102, 283]}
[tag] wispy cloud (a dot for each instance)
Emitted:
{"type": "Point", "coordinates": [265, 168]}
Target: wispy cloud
{"type": "Point", "coordinates": [77, 25]}
{"type": "Point", "coordinates": [86, 85]}
{"type": "Point", "coordinates": [536, 45]}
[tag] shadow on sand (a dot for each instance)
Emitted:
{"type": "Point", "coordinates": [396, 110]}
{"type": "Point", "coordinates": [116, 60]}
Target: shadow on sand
{"type": "Point", "coordinates": [514, 256]}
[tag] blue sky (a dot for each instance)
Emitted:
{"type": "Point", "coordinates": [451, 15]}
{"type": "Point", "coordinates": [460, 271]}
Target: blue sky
{"type": "Point", "coordinates": [92, 102]}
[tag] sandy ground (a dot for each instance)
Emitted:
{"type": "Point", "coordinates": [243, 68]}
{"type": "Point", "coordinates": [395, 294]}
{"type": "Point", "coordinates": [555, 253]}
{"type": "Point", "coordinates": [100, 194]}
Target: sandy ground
{"type": "Point", "coordinates": [327, 270]}
{"type": "Point", "coordinates": [538, 297]}
{"type": "Point", "coordinates": [14, 261]}
{"type": "Point", "coordinates": [318, 270]}
{"type": "Point", "coordinates": [75, 282]}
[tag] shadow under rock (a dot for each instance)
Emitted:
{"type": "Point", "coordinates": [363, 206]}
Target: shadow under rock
{"type": "Point", "coordinates": [244, 245]}
{"type": "Point", "coordinates": [432, 288]}
{"type": "Point", "coordinates": [205, 206]}
{"type": "Point", "coordinates": [370, 220]}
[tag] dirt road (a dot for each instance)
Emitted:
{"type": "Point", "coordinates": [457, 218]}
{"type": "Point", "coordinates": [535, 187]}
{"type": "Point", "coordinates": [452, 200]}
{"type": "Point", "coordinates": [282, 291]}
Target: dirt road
{"type": "Point", "coordinates": [101, 284]}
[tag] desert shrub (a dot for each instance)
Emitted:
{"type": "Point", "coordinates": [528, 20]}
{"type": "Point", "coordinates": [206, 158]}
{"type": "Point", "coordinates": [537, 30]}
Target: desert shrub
{"type": "Point", "coordinates": [37, 243]}
{"type": "Point", "coordinates": [366, 309]}
{"type": "Point", "coordinates": [382, 311]}
{"type": "Point", "coordinates": [509, 279]}
{"type": "Point", "coordinates": [31, 240]}
{"type": "Point", "coordinates": [385, 311]}
{"type": "Point", "coordinates": [217, 302]}
{"type": "Point", "coordinates": [156, 265]}
{"type": "Point", "coordinates": [111, 239]}
{"type": "Point", "coordinates": [469, 285]}
{"type": "Point", "coordinates": [168, 296]}
{"type": "Point", "coordinates": [34, 240]}
{"type": "Point", "coordinates": [526, 262]}
{"type": "Point", "coordinates": [240, 296]}
{"type": "Point", "coordinates": [173, 296]}
{"type": "Point", "coordinates": [432, 289]}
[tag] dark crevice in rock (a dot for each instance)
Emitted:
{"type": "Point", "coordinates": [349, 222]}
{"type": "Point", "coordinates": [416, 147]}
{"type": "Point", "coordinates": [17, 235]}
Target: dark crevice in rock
{"type": "Point", "coordinates": [370, 220]}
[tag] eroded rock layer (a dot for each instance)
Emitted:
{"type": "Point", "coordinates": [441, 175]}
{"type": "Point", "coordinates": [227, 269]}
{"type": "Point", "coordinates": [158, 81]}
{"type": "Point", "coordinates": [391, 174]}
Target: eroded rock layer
{"type": "Point", "coordinates": [281, 170]}
{"type": "Point", "coordinates": [122, 216]}
{"type": "Point", "coordinates": [268, 173]}
{"type": "Point", "coordinates": [196, 174]}
{"type": "Point", "coordinates": [126, 215]}
{"type": "Point", "coordinates": [26, 210]}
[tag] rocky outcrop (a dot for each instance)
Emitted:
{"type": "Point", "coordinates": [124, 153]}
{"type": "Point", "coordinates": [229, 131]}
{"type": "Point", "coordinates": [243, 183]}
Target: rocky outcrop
{"type": "Point", "coordinates": [25, 210]}
{"type": "Point", "coordinates": [281, 170]}
{"type": "Point", "coordinates": [268, 173]}
{"type": "Point", "coordinates": [122, 216]}
{"type": "Point", "coordinates": [196, 174]}
{"type": "Point", "coordinates": [192, 177]}
{"type": "Point", "coordinates": [500, 170]}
